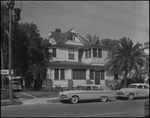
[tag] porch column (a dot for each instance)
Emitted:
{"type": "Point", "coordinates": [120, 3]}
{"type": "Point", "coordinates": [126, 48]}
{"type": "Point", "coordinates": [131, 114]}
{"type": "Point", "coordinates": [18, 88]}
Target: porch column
{"type": "Point", "coordinates": [69, 74]}
{"type": "Point", "coordinates": [48, 73]}
{"type": "Point", "coordinates": [87, 74]}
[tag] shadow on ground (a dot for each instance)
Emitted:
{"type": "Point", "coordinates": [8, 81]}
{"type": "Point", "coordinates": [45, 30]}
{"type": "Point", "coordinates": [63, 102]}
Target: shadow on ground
{"type": "Point", "coordinates": [87, 101]}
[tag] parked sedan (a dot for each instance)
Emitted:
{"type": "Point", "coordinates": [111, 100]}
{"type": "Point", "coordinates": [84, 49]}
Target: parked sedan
{"type": "Point", "coordinates": [134, 90]}
{"type": "Point", "coordinates": [86, 92]}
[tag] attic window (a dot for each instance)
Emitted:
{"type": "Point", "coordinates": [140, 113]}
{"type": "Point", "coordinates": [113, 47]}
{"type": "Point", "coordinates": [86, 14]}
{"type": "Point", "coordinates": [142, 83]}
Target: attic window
{"type": "Point", "coordinates": [71, 38]}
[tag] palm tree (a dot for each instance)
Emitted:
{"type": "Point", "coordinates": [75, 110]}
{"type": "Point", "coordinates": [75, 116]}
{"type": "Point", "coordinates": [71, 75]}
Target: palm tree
{"type": "Point", "coordinates": [126, 57]}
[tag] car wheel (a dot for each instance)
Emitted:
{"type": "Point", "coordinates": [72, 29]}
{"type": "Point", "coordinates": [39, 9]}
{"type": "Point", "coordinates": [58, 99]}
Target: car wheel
{"type": "Point", "coordinates": [131, 96]}
{"type": "Point", "coordinates": [104, 98]}
{"type": "Point", "coordinates": [74, 99]}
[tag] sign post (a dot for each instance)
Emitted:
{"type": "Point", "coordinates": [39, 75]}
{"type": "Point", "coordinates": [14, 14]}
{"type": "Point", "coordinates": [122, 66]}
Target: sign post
{"type": "Point", "coordinates": [10, 4]}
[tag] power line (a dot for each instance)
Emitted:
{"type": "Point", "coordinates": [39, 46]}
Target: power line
{"type": "Point", "coordinates": [118, 9]}
{"type": "Point", "coordinates": [89, 14]}
{"type": "Point", "coordinates": [132, 6]}
{"type": "Point", "coordinates": [91, 17]}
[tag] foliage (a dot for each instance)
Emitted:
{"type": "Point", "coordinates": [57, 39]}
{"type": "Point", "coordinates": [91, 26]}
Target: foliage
{"type": "Point", "coordinates": [28, 48]}
{"type": "Point", "coordinates": [5, 94]}
{"type": "Point", "coordinates": [126, 57]}
{"type": "Point", "coordinates": [6, 103]}
{"type": "Point", "coordinates": [110, 42]}
{"type": "Point", "coordinates": [4, 35]}
{"type": "Point", "coordinates": [91, 38]}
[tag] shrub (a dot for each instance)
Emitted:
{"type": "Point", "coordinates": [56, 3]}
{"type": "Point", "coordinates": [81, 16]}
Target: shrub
{"type": "Point", "coordinates": [5, 94]}
{"type": "Point", "coordinates": [5, 103]}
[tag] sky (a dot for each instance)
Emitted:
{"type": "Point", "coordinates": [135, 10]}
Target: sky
{"type": "Point", "coordinates": [106, 19]}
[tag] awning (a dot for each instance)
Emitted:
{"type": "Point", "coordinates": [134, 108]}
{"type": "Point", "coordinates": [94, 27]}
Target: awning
{"type": "Point", "coordinates": [65, 64]}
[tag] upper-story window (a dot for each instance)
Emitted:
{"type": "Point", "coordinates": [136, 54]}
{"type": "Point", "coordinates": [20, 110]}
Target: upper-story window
{"type": "Point", "coordinates": [97, 52]}
{"type": "Point", "coordinates": [88, 53]}
{"type": "Point", "coordinates": [71, 53]}
{"type": "Point", "coordinates": [94, 52]}
{"type": "Point", "coordinates": [54, 52]}
{"type": "Point", "coordinates": [71, 38]}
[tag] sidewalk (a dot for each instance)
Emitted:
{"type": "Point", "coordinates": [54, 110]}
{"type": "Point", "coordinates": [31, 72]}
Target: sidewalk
{"type": "Point", "coordinates": [40, 101]}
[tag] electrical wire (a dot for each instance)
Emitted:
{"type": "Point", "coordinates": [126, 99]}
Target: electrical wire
{"type": "Point", "coordinates": [90, 14]}
{"type": "Point", "coordinates": [92, 17]}
{"type": "Point", "coordinates": [132, 6]}
{"type": "Point", "coordinates": [87, 13]}
{"type": "Point", "coordinates": [118, 10]}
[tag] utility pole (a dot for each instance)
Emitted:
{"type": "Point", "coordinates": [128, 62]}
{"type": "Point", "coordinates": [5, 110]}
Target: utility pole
{"type": "Point", "coordinates": [10, 7]}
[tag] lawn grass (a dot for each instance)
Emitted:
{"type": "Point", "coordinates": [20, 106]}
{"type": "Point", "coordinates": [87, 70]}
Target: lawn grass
{"type": "Point", "coordinates": [42, 94]}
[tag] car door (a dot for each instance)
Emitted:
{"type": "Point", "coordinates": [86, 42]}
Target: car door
{"type": "Point", "coordinates": [146, 90]}
{"type": "Point", "coordinates": [87, 93]}
{"type": "Point", "coordinates": [140, 90]}
{"type": "Point", "coordinates": [96, 92]}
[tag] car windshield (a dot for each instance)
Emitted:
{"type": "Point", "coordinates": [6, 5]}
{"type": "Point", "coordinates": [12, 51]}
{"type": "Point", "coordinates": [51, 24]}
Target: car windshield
{"type": "Point", "coordinates": [132, 86]}
{"type": "Point", "coordinates": [80, 87]}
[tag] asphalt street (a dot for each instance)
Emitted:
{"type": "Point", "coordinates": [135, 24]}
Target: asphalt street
{"type": "Point", "coordinates": [112, 108]}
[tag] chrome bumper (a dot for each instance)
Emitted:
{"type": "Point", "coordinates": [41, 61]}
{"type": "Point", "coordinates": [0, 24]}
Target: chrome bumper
{"type": "Point", "coordinates": [64, 98]}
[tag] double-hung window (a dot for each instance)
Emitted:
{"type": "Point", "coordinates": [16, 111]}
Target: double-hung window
{"type": "Point", "coordinates": [56, 74]}
{"type": "Point", "coordinates": [54, 52]}
{"type": "Point", "coordinates": [71, 54]}
{"type": "Point", "coordinates": [102, 75]}
{"type": "Point", "coordinates": [89, 53]}
{"type": "Point", "coordinates": [94, 52]}
{"type": "Point", "coordinates": [59, 74]}
{"type": "Point", "coordinates": [71, 38]}
{"type": "Point", "coordinates": [97, 53]}
{"type": "Point", "coordinates": [91, 73]}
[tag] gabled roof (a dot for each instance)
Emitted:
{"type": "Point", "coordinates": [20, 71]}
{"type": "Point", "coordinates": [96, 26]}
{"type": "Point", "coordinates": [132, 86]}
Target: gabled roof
{"type": "Point", "coordinates": [60, 36]}
{"type": "Point", "coordinates": [65, 34]}
{"type": "Point", "coordinates": [85, 40]}
{"type": "Point", "coordinates": [57, 36]}
{"type": "Point", "coordinates": [96, 42]}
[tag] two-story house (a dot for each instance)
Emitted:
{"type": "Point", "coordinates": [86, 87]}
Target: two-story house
{"type": "Point", "coordinates": [75, 58]}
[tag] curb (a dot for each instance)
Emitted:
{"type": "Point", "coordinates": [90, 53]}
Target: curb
{"type": "Point", "coordinates": [53, 101]}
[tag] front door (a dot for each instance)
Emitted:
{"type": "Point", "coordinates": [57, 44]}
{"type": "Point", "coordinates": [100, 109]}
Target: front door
{"type": "Point", "coordinates": [97, 77]}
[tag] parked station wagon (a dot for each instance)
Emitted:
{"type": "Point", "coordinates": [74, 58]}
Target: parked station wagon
{"type": "Point", "coordinates": [86, 92]}
{"type": "Point", "coordinates": [134, 90]}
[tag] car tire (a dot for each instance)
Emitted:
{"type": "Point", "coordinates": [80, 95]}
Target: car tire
{"type": "Point", "coordinates": [74, 99]}
{"type": "Point", "coordinates": [131, 96]}
{"type": "Point", "coordinates": [104, 98]}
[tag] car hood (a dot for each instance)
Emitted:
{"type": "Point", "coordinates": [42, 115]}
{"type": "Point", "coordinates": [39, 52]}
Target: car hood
{"type": "Point", "coordinates": [126, 89]}
{"type": "Point", "coordinates": [70, 91]}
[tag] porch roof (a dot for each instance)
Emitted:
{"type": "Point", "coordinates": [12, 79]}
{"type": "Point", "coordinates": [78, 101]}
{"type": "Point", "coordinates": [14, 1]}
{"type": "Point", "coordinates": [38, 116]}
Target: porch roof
{"type": "Point", "coordinates": [66, 64]}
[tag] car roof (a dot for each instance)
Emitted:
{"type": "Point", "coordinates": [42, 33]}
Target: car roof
{"type": "Point", "coordinates": [88, 85]}
{"type": "Point", "coordinates": [139, 84]}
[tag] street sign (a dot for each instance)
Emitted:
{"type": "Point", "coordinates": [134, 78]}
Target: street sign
{"type": "Point", "coordinates": [6, 72]}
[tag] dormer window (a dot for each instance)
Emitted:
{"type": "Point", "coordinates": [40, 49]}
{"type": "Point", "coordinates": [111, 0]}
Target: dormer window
{"type": "Point", "coordinates": [71, 38]}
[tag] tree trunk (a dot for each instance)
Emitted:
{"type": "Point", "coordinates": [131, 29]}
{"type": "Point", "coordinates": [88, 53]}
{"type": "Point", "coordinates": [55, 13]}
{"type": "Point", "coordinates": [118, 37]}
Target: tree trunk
{"type": "Point", "coordinates": [125, 79]}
